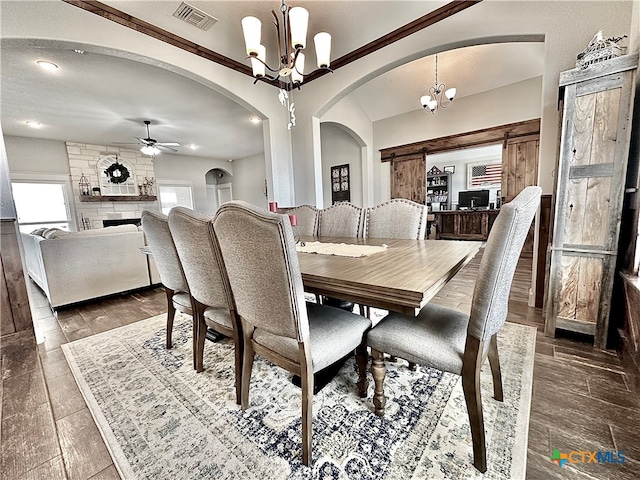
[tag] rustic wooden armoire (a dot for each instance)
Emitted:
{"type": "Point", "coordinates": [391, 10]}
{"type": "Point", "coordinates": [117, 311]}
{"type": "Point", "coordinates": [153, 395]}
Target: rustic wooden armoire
{"type": "Point", "coordinates": [594, 150]}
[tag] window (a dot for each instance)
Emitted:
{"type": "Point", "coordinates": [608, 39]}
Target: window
{"type": "Point", "coordinates": [41, 204]}
{"type": "Point", "coordinates": [124, 186]}
{"type": "Point", "coordinates": [174, 195]}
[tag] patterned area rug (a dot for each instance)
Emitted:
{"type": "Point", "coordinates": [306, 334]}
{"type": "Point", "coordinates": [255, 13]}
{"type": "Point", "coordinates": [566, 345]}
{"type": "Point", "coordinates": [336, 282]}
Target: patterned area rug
{"type": "Point", "coordinates": [161, 420]}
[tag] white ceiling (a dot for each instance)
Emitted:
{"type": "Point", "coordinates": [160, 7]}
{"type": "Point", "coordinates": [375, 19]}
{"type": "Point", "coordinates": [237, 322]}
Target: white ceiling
{"type": "Point", "coordinates": [103, 99]}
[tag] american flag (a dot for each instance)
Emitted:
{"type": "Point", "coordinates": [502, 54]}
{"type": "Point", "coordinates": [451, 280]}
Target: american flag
{"type": "Point", "coordinates": [486, 175]}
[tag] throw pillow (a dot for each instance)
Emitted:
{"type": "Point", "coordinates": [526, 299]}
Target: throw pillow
{"type": "Point", "coordinates": [38, 231]}
{"type": "Point", "coordinates": [49, 232]}
{"type": "Point", "coordinates": [58, 234]}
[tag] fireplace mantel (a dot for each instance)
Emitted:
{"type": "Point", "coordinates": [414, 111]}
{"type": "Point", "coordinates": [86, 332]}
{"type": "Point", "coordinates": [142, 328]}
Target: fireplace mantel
{"type": "Point", "coordinates": [118, 198]}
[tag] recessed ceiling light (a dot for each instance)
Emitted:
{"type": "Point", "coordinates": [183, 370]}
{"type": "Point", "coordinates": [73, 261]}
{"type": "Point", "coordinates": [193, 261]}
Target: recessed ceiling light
{"type": "Point", "coordinates": [231, 159]}
{"type": "Point", "coordinates": [33, 124]}
{"type": "Point", "coordinates": [192, 146]}
{"type": "Point", "coordinates": [47, 65]}
{"type": "Point", "coordinates": [255, 119]}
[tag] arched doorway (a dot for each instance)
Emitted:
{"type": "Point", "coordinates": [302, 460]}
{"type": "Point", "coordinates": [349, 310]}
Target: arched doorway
{"type": "Point", "coordinates": [219, 188]}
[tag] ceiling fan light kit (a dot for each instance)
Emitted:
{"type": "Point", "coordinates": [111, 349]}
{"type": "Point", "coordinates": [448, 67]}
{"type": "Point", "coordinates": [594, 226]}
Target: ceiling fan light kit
{"type": "Point", "coordinates": [150, 150]}
{"type": "Point", "coordinates": [152, 147]}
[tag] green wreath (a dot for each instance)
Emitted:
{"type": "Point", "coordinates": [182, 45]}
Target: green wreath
{"type": "Point", "coordinates": [117, 173]}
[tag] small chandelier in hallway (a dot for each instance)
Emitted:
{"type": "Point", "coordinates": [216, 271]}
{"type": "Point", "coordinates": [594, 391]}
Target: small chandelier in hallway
{"type": "Point", "coordinates": [439, 96]}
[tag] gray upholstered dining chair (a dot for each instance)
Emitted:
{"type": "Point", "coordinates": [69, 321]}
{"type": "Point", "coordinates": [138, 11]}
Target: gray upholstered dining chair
{"type": "Point", "coordinates": [156, 230]}
{"type": "Point", "coordinates": [261, 262]}
{"type": "Point", "coordinates": [453, 341]}
{"type": "Point", "coordinates": [212, 303]}
{"type": "Point", "coordinates": [397, 218]}
{"type": "Point", "coordinates": [307, 219]}
{"type": "Point", "coordinates": [341, 220]}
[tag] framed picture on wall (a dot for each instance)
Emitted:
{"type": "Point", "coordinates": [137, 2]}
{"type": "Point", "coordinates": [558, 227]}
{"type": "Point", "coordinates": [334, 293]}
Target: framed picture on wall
{"type": "Point", "coordinates": [484, 175]}
{"type": "Point", "coordinates": [340, 184]}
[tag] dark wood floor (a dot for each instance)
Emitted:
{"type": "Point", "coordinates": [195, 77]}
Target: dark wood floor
{"type": "Point", "coordinates": [581, 396]}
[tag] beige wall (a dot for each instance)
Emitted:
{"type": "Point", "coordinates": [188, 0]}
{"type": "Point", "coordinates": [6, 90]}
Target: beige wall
{"type": "Point", "coordinates": [248, 180]}
{"type": "Point", "coordinates": [339, 148]}
{"type": "Point", "coordinates": [34, 155]}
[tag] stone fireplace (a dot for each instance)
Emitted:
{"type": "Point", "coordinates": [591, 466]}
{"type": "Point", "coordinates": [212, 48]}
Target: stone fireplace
{"type": "Point", "coordinates": [99, 210]}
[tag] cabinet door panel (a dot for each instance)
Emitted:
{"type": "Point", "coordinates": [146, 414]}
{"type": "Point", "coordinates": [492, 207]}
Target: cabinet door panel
{"type": "Point", "coordinates": [575, 211]}
{"type": "Point", "coordinates": [580, 288]}
{"type": "Point", "coordinates": [596, 223]}
{"type": "Point", "coordinates": [605, 126]}
{"type": "Point", "coordinates": [583, 130]}
{"type": "Point", "coordinates": [588, 299]}
{"type": "Point", "coordinates": [568, 295]}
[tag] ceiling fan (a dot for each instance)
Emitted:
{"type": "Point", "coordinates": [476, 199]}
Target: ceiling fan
{"type": "Point", "coordinates": [150, 146]}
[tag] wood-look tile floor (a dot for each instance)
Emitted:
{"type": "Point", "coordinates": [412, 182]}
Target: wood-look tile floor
{"type": "Point", "coordinates": [581, 396]}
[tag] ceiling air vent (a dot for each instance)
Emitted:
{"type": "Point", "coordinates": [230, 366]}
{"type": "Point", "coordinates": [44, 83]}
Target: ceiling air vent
{"type": "Point", "coordinates": [194, 16]}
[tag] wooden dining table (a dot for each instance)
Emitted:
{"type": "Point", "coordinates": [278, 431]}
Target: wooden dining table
{"type": "Point", "coordinates": [401, 278]}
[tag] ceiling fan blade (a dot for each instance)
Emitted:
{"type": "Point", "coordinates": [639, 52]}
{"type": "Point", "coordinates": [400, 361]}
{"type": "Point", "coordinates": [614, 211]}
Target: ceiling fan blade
{"type": "Point", "coordinates": [146, 141]}
{"type": "Point", "coordinates": [126, 143]}
{"type": "Point", "coordinates": [164, 146]}
{"type": "Point", "coordinates": [168, 144]}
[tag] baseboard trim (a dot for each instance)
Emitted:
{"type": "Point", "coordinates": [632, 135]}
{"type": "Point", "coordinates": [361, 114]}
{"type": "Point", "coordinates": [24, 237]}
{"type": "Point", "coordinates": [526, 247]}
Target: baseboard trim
{"type": "Point", "coordinates": [630, 363]}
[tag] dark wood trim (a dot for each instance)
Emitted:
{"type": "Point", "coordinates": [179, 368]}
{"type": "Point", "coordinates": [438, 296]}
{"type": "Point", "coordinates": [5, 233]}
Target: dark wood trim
{"type": "Point", "coordinates": [421, 23]}
{"type": "Point", "coordinates": [485, 136]}
{"type": "Point", "coordinates": [544, 236]}
{"type": "Point", "coordinates": [128, 21]}
{"type": "Point", "coordinates": [118, 198]}
{"type": "Point", "coordinates": [115, 15]}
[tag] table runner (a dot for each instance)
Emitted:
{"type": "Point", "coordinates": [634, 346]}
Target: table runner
{"type": "Point", "coordinates": [340, 249]}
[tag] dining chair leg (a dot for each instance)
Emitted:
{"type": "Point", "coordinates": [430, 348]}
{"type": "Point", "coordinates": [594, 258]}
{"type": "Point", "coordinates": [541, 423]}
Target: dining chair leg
{"type": "Point", "coordinates": [471, 365]}
{"type": "Point", "coordinates": [413, 366]}
{"type": "Point", "coordinates": [247, 365]}
{"type": "Point", "coordinates": [239, 349]}
{"type": "Point", "coordinates": [362, 358]}
{"type": "Point", "coordinates": [194, 346]}
{"type": "Point", "coordinates": [171, 314]}
{"type": "Point", "coordinates": [306, 374]}
{"type": "Point", "coordinates": [494, 363]}
{"type": "Point", "coordinates": [378, 370]}
{"type": "Point", "coordinates": [200, 336]}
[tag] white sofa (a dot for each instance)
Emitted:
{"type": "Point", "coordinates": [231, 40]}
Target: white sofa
{"type": "Point", "coordinates": [89, 264]}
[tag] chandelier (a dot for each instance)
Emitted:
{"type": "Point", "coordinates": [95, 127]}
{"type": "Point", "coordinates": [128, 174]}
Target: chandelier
{"type": "Point", "coordinates": [439, 96]}
{"type": "Point", "coordinates": [292, 39]}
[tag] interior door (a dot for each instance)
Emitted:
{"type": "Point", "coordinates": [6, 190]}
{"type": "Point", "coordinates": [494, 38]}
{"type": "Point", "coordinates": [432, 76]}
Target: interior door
{"type": "Point", "coordinates": [224, 193]}
{"type": "Point", "coordinates": [212, 198]}
{"type": "Point", "coordinates": [519, 165]}
{"type": "Point", "coordinates": [408, 179]}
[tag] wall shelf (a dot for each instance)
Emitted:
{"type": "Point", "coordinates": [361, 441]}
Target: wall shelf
{"type": "Point", "coordinates": [118, 198]}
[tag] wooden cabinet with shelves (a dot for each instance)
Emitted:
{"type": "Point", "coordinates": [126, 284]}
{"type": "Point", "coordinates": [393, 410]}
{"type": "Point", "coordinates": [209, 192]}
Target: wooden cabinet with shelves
{"type": "Point", "coordinates": [438, 189]}
{"type": "Point", "coordinates": [594, 149]}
